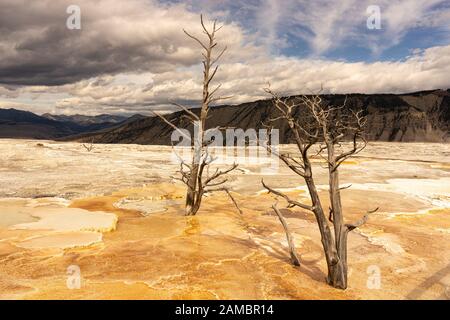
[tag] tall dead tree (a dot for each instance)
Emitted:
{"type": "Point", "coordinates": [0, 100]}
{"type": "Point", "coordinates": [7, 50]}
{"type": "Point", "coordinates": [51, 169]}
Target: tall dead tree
{"type": "Point", "coordinates": [196, 174]}
{"type": "Point", "coordinates": [335, 133]}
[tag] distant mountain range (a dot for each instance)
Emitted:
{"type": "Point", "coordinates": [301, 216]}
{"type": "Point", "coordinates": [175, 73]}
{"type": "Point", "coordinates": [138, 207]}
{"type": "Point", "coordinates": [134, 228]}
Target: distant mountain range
{"type": "Point", "coordinates": [415, 117]}
{"type": "Point", "coordinates": [86, 120]}
{"type": "Point", "coordinates": [23, 124]}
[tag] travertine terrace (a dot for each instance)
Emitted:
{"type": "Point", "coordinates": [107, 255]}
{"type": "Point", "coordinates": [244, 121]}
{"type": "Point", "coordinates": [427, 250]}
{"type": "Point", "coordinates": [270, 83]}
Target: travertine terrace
{"type": "Point", "coordinates": [116, 213]}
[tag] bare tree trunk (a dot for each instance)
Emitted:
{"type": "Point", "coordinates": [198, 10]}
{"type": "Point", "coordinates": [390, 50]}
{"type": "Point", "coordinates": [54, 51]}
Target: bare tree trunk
{"type": "Point", "coordinates": [193, 192]}
{"type": "Point", "coordinates": [292, 250]}
{"type": "Point", "coordinates": [328, 242]}
{"type": "Point", "coordinates": [338, 272]}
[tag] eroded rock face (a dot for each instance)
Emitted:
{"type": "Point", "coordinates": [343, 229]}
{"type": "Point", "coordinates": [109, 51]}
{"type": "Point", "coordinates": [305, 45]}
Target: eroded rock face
{"type": "Point", "coordinates": [419, 117]}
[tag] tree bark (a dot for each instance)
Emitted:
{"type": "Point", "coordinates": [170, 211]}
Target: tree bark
{"type": "Point", "coordinates": [193, 192]}
{"type": "Point", "coordinates": [292, 250]}
{"type": "Point", "coordinates": [337, 276]}
{"type": "Point", "coordinates": [335, 248]}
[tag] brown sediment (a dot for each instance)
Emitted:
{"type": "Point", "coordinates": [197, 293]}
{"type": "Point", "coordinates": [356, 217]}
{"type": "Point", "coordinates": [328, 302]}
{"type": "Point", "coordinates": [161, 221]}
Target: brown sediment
{"type": "Point", "coordinates": [215, 255]}
{"type": "Point", "coordinates": [169, 256]}
{"type": "Point", "coordinates": [218, 254]}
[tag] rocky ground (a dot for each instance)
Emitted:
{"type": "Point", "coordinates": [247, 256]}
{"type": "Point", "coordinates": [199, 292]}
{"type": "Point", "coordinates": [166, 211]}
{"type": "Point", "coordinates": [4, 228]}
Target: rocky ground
{"type": "Point", "coordinates": [115, 215]}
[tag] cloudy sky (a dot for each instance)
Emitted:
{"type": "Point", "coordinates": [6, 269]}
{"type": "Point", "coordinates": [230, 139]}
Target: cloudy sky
{"type": "Point", "coordinates": [132, 55]}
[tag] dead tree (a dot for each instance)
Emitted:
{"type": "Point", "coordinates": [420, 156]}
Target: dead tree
{"type": "Point", "coordinates": [313, 123]}
{"type": "Point", "coordinates": [89, 147]}
{"type": "Point", "coordinates": [196, 174]}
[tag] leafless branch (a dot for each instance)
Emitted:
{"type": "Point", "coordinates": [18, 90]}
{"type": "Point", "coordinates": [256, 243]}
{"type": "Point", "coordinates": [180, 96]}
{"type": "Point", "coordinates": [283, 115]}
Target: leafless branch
{"type": "Point", "coordinates": [288, 200]}
{"type": "Point", "coordinates": [184, 108]}
{"type": "Point", "coordinates": [361, 222]}
{"type": "Point", "coordinates": [170, 124]}
{"type": "Point", "coordinates": [292, 250]}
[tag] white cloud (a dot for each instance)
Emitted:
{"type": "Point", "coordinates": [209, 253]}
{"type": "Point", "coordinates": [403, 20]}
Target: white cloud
{"type": "Point", "coordinates": [427, 69]}
{"type": "Point", "coordinates": [115, 37]}
{"type": "Point", "coordinates": [168, 63]}
{"type": "Point", "coordinates": [328, 24]}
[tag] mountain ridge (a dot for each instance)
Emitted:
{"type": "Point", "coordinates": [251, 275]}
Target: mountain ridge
{"type": "Point", "coordinates": [86, 120]}
{"type": "Point", "coordinates": [422, 116]}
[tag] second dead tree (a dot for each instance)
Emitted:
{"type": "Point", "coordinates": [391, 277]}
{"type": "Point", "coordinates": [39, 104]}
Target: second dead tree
{"type": "Point", "coordinates": [327, 128]}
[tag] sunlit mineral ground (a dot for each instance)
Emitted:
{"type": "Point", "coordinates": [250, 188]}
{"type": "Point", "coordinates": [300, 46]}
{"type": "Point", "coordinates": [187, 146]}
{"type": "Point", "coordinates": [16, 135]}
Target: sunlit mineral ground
{"type": "Point", "coordinates": [115, 215]}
